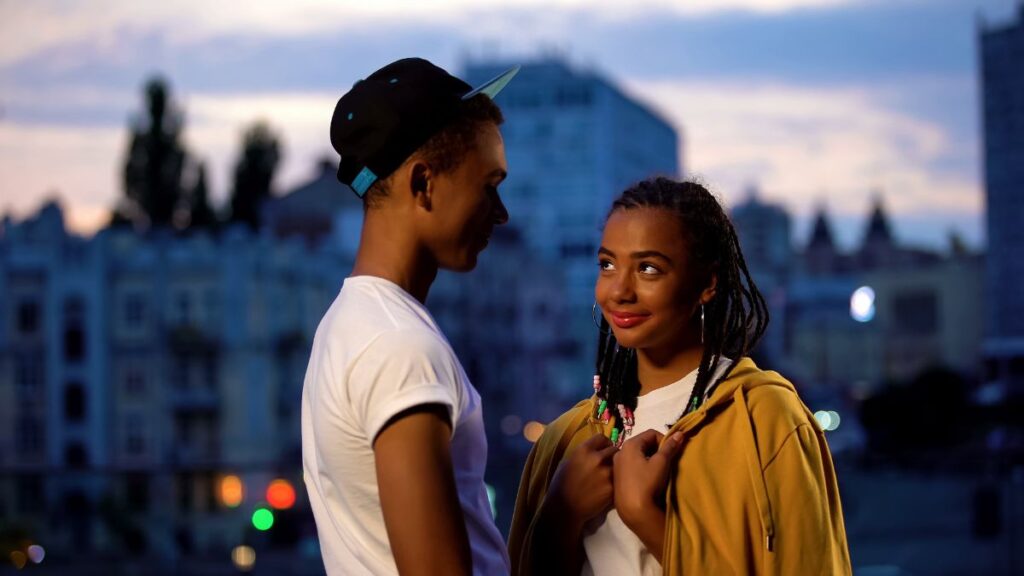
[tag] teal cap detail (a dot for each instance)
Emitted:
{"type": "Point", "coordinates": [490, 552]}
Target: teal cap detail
{"type": "Point", "coordinates": [363, 181]}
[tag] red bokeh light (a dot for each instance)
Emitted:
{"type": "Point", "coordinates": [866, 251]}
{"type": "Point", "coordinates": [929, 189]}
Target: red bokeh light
{"type": "Point", "coordinates": [280, 494]}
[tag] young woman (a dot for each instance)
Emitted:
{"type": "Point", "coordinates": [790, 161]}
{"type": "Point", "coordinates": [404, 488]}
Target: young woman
{"type": "Point", "coordinates": [688, 458]}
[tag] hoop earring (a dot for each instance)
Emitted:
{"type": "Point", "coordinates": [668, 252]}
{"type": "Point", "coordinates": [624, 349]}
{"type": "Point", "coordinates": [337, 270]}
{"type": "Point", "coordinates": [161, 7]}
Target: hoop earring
{"type": "Point", "coordinates": [701, 323]}
{"type": "Point", "coordinates": [593, 315]}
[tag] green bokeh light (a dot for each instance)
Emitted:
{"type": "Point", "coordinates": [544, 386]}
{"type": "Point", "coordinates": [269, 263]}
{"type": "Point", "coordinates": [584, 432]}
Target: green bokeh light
{"type": "Point", "coordinates": [262, 519]}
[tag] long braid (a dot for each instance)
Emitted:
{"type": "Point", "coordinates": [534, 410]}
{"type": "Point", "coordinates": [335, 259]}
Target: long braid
{"type": "Point", "coordinates": [735, 319]}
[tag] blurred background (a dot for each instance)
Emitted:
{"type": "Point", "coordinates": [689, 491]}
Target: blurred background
{"type": "Point", "coordinates": [173, 231]}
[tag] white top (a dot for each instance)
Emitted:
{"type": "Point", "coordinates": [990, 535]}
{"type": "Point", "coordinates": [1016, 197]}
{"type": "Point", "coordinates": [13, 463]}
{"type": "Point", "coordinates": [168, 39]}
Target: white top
{"type": "Point", "coordinates": [611, 548]}
{"type": "Point", "coordinates": [376, 353]}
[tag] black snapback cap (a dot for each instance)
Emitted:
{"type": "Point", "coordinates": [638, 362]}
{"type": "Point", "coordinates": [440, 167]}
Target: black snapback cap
{"type": "Point", "coordinates": [384, 118]}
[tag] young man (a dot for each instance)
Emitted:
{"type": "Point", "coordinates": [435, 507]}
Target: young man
{"type": "Point", "coordinates": [393, 443]}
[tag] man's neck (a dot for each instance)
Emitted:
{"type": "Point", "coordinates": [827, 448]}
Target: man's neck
{"type": "Point", "coordinates": [392, 252]}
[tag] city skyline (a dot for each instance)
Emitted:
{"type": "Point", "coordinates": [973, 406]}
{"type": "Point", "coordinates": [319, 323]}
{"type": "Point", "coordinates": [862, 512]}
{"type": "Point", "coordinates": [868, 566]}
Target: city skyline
{"type": "Point", "coordinates": [906, 71]}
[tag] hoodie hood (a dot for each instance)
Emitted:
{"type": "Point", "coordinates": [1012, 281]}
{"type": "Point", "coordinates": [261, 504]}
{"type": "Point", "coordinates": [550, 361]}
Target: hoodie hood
{"type": "Point", "coordinates": [743, 376]}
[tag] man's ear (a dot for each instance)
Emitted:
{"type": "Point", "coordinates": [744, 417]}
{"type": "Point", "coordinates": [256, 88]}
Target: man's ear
{"type": "Point", "coordinates": [421, 184]}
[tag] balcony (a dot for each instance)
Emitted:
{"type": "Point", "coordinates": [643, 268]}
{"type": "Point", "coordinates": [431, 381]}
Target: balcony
{"type": "Point", "coordinates": [186, 338]}
{"type": "Point", "coordinates": [195, 454]}
{"type": "Point", "coordinates": [195, 399]}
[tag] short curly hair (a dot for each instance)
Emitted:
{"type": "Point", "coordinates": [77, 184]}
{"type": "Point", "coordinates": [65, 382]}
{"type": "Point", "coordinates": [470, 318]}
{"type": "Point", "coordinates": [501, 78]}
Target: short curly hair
{"type": "Point", "coordinates": [445, 150]}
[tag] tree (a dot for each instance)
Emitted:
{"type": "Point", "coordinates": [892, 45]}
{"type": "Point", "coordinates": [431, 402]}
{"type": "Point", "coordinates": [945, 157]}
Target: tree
{"type": "Point", "coordinates": [201, 215]}
{"type": "Point", "coordinates": [253, 174]}
{"type": "Point", "coordinates": [156, 158]}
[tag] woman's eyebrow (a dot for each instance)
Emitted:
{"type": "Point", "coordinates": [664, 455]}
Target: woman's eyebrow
{"type": "Point", "coordinates": [650, 254]}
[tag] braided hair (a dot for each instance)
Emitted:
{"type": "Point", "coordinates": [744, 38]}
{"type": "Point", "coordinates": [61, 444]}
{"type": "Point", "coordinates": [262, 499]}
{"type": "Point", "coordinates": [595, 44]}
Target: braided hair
{"type": "Point", "coordinates": [735, 319]}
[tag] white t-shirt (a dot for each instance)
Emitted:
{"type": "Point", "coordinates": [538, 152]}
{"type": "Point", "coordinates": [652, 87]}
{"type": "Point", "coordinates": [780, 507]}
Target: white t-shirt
{"type": "Point", "coordinates": [376, 353]}
{"type": "Point", "coordinates": [611, 548]}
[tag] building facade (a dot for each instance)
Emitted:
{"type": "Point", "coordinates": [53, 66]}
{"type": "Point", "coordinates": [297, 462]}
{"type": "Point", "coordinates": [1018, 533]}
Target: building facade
{"type": "Point", "coordinates": [1002, 86]}
{"type": "Point", "coordinates": [140, 370]}
{"type": "Point", "coordinates": [574, 141]}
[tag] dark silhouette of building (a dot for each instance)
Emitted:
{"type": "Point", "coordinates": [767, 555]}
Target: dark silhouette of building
{"type": "Point", "coordinates": [1002, 85]}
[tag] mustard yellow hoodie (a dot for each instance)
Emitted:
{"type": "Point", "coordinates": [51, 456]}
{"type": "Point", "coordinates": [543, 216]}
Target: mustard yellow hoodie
{"type": "Point", "coordinates": [754, 490]}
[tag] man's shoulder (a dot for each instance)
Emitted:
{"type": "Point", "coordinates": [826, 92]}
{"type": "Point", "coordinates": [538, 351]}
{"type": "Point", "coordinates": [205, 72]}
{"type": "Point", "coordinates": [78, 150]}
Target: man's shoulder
{"type": "Point", "coordinates": [408, 341]}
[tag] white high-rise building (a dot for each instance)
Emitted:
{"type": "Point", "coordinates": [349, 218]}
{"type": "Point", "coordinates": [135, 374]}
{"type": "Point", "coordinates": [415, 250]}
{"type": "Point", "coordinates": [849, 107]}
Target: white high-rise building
{"type": "Point", "coordinates": [574, 141]}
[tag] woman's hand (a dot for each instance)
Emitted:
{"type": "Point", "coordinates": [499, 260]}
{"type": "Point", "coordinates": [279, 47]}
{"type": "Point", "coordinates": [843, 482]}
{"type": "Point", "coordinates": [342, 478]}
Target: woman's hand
{"type": "Point", "coordinates": [582, 485]}
{"type": "Point", "coordinates": [641, 472]}
{"type": "Point", "coordinates": [581, 489]}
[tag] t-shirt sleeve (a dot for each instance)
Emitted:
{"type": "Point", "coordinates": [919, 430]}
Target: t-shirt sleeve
{"type": "Point", "coordinates": [400, 370]}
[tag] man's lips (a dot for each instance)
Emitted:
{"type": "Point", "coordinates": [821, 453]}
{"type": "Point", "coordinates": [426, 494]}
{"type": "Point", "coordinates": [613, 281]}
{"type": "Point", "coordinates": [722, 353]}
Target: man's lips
{"type": "Point", "coordinates": [628, 319]}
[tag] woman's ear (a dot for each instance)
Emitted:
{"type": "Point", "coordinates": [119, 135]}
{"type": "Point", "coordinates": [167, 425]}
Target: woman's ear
{"type": "Point", "coordinates": [708, 294]}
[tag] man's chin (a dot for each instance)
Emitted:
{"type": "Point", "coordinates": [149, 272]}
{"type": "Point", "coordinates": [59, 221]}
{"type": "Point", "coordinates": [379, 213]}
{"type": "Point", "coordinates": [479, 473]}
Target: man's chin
{"type": "Point", "coordinates": [465, 264]}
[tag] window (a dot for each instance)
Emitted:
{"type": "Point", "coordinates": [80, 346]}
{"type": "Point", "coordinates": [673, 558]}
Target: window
{"type": "Point", "coordinates": [28, 317]}
{"type": "Point", "coordinates": [135, 439]}
{"type": "Point", "coordinates": [181, 372]}
{"type": "Point", "coordinates": [915, 313]}
{"type": "Point", "coordinates": [182, 308]}
{"type": "Point", "coordinates": [75, 456]}
{"type": "Point", "coordinates": [74, 344]}
{"type": "Point", "coordinates": [74, 403]}
{"type": "Point", "coordinates": [28, 436]}
{"type": "Point", "coordinates": [568, 96]}
{"type": "Point", "coordinates": [211, 305]}
{"type": "Point", "coordinates": [74, 333]}
{"type": "Point", "coordinates": [30, 494]}
{"type": "Point", "coordinates": [137, 492]}
{"type": "Point", "coordinates": [185, 491]}
{"type": "Point", "coordinates": [134, 310]}
{"type": "Point", "coordinates": [210, 373]}
{"type": "Point", "coordinates": [134, 382]}
{"type": "Point", "coordinates": [578, 250]}
{"type": "Point", "coordinates": [28, 379]}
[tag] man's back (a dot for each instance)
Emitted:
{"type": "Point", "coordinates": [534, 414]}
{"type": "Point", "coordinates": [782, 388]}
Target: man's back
{"type": "Point", "coordinates": [377, 353]}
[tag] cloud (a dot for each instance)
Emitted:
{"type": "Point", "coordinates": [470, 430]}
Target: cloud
{"type": "Point", "coordinates": [817, 100]}
{"type": "Point", "coordinates": [34, 26]}
{"type": "Point", "coordinates": [76, 164]}
{"type": "Point", "coordinates": [217, 122]}
{"type": "Point", "coordinates": [803, 147]}
{"type": "Point", "coordinates": [807, 147]}
{"type": "Point", "coordinates": [81, 163]}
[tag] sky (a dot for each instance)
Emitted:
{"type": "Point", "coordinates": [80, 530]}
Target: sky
{"type": "Point", "coordinates": [815, 103]}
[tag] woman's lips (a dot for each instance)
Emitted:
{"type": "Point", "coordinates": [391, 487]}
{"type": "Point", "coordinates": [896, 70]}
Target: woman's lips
{"type": "Point", "coordinates": [628, 319]}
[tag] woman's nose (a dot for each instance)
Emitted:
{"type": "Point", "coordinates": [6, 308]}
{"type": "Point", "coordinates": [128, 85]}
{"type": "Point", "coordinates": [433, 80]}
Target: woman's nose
{"type": "Point", "coordinates": [622, 287]}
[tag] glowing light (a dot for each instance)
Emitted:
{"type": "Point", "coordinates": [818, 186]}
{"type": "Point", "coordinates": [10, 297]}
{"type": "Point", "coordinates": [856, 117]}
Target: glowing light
{"type": "Point", "coordinates": [533, 430]}
{"type": "Point", "coordinates": [244, 558]}
{"type": "Point", "coordinates": [824, 419]}
{"type": "Point", "coordinates": [36, 553]}
{"type": "Point", "coordinates": [262, 519]}
{"type": "Point", "coordinates": [828, 419]}
{"type": "Point", "coordinates": [280, 494]}
{"type": "Point", "coordinates": [492, 497]}
{"type": "Point", "coordinates": [862, 304]}
{"type": "Point", "coordinates": [232, 491]}
{"type": "Point", "coordinates": [19, 559]}
{"type": "Point", "coordinates": [835, 420]}
{"type": "Point", "coordinates": [511, 425]}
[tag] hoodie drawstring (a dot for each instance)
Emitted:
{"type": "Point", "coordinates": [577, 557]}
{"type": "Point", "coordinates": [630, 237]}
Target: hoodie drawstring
{"type": "Point", "coordinates": [756, 474]}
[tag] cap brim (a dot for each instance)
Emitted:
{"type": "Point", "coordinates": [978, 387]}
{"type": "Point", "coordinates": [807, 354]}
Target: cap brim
{"type": "Point", "coordinates": [494, 85]}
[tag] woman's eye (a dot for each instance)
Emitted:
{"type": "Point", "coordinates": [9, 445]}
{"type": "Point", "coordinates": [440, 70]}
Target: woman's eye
{"type": "Point", "coordinates": [605, 265]}
{"type": "Point", "coordinates": [649, 269]}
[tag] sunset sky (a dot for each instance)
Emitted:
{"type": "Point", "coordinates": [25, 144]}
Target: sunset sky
{"type": "Point", "coordinates": [816, 102]}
